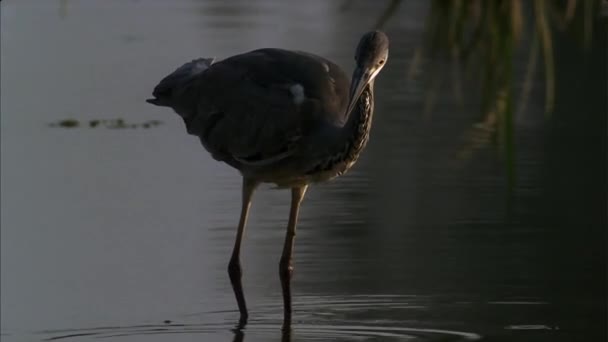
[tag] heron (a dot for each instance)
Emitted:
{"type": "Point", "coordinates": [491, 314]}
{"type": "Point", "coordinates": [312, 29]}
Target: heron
{"type": "Point", "coordinates": [278, 116]}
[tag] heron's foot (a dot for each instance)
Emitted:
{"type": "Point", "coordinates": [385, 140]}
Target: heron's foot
{"type": "Point", "coordinates": [243, 320]}
{"type": "Point", "coordinates": [239, 334]}
{"type": "Point", "coordinates": [235, 273]}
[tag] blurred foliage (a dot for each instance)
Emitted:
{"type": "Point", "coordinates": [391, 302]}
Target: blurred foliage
{"type": "Point", "coordinates": [480, 38]}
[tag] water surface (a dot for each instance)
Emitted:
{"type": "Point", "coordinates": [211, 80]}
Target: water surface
{"type": "Point", "coordinates": [125, 234]}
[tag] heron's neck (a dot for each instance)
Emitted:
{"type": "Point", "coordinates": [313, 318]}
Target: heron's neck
{"type": "Point", "coordinates": [352, 138]}
{"type": "Point", "coordinates": [358, 125]}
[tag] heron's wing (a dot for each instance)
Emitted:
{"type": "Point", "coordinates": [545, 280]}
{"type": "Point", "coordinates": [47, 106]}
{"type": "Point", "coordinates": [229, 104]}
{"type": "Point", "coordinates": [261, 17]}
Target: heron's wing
{"type": "Point", "coordinates": [257, 107]}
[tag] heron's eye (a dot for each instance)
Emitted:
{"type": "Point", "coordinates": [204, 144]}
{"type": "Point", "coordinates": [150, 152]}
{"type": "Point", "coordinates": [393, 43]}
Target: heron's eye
{"type": "Point", "coordinates": [381, 61]}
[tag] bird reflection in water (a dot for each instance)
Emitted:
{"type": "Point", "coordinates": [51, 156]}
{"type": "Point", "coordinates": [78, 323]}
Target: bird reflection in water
{"type": "Point", "coordinates": [239, 333]}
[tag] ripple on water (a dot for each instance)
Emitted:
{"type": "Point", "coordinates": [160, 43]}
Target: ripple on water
{"type": "Point", "coordinates": [530, 327]}
{"type": "Point", "coordinates": [336, 323]}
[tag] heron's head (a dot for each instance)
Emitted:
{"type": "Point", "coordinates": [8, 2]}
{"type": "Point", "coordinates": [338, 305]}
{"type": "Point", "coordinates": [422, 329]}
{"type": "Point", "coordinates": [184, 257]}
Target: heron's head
{"type": "Point", "coordinates": [371, 56]}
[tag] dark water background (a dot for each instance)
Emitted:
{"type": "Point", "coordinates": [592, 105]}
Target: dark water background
{"type": "Point", "coordinates": [125, 234]}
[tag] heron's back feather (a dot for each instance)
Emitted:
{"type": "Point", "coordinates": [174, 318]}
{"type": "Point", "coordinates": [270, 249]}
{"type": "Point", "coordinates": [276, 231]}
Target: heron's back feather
{"type": "Point", "coordinates": [254, 110]}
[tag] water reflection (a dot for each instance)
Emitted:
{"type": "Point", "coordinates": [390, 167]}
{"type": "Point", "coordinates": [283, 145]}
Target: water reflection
{"type": "Point", "coordinates": [239, 334]}
{"type": "Point", "coordinates": [372, 318]}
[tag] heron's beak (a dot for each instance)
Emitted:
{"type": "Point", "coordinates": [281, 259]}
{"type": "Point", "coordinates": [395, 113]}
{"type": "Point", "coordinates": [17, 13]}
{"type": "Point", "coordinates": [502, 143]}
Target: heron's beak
{"type": "Point", "coordinates": [361, 78]}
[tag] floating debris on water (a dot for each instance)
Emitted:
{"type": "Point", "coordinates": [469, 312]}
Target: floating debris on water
{"type": "Point", "coordinates": [105, 123]}
{"type": "Point", "coordinates": [65, 123]}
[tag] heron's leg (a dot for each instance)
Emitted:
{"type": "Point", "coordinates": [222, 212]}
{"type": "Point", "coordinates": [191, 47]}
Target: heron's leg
{"type": "Point", "coordinates": [234, 267]}
{"type": "Point", "coordinates": [285, 266]}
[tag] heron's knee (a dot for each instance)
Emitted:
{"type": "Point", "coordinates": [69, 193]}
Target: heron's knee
{"type": "Point", "coordinates": [234, 269]}
{"type": "Point", "coordinates": [285, 269]}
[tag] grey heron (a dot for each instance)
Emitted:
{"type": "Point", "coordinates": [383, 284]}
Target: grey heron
{"type": "Point", "coordinates": [285, 117]}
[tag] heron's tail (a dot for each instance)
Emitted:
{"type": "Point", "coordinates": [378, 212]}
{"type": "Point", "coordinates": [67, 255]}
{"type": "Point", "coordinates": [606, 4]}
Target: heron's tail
{"type": "Point", "coordinates": [172, 90]}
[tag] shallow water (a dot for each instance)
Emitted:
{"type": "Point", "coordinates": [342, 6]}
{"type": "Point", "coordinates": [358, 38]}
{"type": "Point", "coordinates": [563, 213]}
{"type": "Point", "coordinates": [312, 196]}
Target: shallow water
{"type": "Point", "coordinates": [125, 234]}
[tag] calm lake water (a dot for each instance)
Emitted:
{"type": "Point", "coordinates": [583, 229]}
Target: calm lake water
{"type": "Point", "coordinates": [125, 234]}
